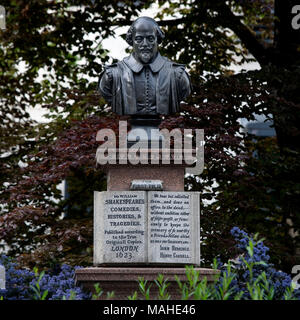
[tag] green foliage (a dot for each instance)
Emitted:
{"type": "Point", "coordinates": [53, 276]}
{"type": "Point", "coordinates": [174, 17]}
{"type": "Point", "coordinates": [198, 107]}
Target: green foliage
{"type": "Point", "coordinates": [193, 288]}
{"type": "Point", "coordinates": [162, 285]}
{"type": "Point", "coordinates": [38, 295]}
{"type": "Point", "coordinates": [98, 292]}
{"type": "Point", "coordinates": [267, 199]}
{"type": "Point", "coordinates": [110, 295]}
{"type": "Point", "coordinates": [133, 296]}
{"type": "Point", "coordinates": [72, 296]}
{"type": "Point", "coordinates": [144, 288]}
{"type": "Point", "coordinates": [229, 283]}
{"type": "Point", "coordinates": [199, 289]}
{"type": "Point", "coordinates": [58, 45]}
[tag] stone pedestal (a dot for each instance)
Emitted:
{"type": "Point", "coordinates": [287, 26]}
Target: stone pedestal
{"type": "Point", "coordinates": [144, 233]}
{"type": "Point", "coordinates": [124, 281]}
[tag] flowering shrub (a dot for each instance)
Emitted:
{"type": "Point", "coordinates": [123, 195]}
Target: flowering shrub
{"type": "Point", "coordinates": [22, 284]}
{"type": "Point", "coordinates": [249, 276]}
{"type": "Point", "coordinates": [253, 266]}
{"type": "Point", "coordinates": [17, 281]}
{"type": "Point", "coordinates": [61, 286]}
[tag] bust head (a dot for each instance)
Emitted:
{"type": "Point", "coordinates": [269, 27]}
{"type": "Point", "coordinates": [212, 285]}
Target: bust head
{"type": "Point", "coordinates": [144, 35]}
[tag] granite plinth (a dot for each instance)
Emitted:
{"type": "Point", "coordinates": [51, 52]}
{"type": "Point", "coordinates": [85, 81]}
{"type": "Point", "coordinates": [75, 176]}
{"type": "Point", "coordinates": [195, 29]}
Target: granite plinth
{"type": "Point", "coordinates": [124, 281]}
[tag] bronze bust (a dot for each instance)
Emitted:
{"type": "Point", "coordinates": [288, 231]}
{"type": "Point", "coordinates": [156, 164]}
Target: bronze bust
{"type": "Point", "coordinates": [145, 83]}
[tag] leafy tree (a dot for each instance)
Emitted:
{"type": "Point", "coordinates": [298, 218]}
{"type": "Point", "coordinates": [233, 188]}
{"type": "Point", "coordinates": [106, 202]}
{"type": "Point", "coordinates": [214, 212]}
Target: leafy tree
{"type": "Point", "coordinates": [51, 39]}
{"type": "Point", "coordinates": [261, 194]}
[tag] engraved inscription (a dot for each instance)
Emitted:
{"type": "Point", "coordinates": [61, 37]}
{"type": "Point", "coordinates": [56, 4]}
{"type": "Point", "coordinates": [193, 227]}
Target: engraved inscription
{"type": "Point", "coordinates": [146, 227]}
{"type": "Point", "coordinates": [124, 226]}
{"type": "Point", "coordinates": [170, 227]}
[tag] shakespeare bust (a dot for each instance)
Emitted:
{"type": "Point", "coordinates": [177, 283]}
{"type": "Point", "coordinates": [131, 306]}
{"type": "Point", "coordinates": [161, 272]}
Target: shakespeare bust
{"type": "Point", "coordinates": [145, 83]}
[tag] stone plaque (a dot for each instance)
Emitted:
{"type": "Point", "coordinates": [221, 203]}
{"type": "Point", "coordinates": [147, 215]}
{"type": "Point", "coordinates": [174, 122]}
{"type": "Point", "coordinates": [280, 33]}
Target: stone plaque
{"type": "Point", "coordinates": [153, 227]}
{"type": "Point", "coordinates": [174, 227]}
{"type": "Point", "coordinates": [120, 227]}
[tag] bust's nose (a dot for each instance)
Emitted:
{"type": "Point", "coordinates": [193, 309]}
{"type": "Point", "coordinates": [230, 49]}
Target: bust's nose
{"type": "Point", "coordinates": [145, 42]}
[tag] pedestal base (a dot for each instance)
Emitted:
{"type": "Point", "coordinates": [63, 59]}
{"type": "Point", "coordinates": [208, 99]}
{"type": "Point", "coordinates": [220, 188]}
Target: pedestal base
{"type": "Point", "coordinates": [124, 281]}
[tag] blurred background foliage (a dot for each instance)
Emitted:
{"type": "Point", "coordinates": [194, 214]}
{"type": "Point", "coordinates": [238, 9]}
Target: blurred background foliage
{"type": "Point", "coordinates": [51, 56]}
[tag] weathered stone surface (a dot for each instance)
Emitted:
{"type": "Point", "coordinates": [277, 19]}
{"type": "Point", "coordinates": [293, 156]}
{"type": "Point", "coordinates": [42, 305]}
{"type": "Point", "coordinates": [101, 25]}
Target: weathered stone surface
{"type": "Point", "coordinates": [174, 227]}
{"type": "Point", "coordinates": [147, 227]}
{"type": "Point", "coordinates": [120, 227]}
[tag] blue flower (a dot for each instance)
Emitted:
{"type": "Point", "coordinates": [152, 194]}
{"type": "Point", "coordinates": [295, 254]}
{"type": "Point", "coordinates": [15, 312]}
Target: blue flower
{"type": "Point", "coordinates": [278, 279]}
{"type": "Point", "coordinates": [58, 284]}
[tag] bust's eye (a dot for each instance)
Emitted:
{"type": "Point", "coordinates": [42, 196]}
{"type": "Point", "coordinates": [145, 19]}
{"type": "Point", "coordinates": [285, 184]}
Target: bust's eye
{"type": "Point", "coordinates": [138, 39]}
{"type": "Point", "coordinates": [151, 38]}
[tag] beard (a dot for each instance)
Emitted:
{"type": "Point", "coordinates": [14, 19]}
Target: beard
{"type": "Point", "coordinates": [146, 56]}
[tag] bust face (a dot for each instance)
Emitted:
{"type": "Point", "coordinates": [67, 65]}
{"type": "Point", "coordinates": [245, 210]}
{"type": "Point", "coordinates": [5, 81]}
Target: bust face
{"type": "Point", "coordinates": [144, 41]}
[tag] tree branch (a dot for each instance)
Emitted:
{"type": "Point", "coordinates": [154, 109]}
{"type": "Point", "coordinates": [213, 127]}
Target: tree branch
{"type": "Point", "coordinates": [233, 22]}
{"type": "Point", "coordinates": [227, 19]}
{"type": "Point", "coordinates": [170, 22]}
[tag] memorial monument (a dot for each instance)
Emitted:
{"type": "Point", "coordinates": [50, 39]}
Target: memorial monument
{"type": "Point", "coordinates": [145, 223]}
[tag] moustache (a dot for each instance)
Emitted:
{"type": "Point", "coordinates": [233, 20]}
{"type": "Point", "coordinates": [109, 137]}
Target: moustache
{"type": "Point", "coordinates": [146, 51]}
{"type": "Point", "coordinates": [145, 48]}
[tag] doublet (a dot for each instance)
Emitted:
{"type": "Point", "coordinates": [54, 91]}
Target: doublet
{"type": "Point", "coordinates": [131, 87]}
{"type": "Point", "coordinates": [145, 88]}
